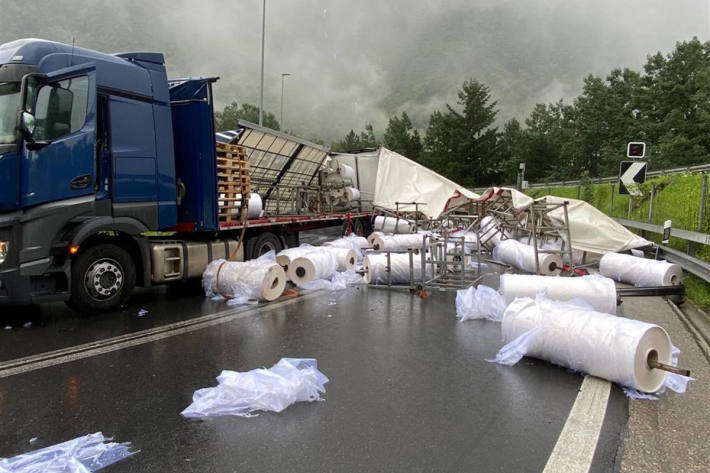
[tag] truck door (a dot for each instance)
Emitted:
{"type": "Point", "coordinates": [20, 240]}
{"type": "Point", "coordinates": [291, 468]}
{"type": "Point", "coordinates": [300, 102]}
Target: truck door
{"type": "Point", "coordinates": [59, 160]}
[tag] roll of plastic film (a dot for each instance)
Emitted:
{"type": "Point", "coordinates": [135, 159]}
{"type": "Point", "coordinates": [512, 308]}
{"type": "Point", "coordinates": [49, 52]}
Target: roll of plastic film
{"type": "Point", "coordinates": [614, 348]}
{"type": "Point", "coordinates": [345, 258]}
{"type": "Point", "coordinates": [376, 269]}
{"type": "Point", "coordinates": [597, 291]}
{"type": "Point", "coordinates": [393, 225]}
{"type": "Point", "coordinates": [397, 242]}
{"type": "Point", "coordinates": [522, 256]}
{"type": "Point", "coordinates": [345, 171]}
{"type": "Point", "coordinates": [314, 265]}
{"type": "Point", "coordinates": [641, 272]}
{"type": "Point", "coordinates": [352, 194]}
{"type": "Point", "coordinates": [258, 280]}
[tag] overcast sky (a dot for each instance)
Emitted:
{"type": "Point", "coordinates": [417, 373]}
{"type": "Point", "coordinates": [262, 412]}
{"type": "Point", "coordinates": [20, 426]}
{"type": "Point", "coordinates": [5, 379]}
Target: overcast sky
{"type": "Point", "coordinates": [354, 62]}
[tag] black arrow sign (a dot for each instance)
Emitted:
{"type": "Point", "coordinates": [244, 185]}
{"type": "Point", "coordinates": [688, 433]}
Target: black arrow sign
{"type": "Point", "coordinates": [630, 174]}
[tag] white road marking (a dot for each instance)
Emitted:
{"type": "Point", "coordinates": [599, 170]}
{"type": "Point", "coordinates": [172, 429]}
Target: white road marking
{"type": "Point", "coordinates": [574, 450]}
{"type": "Point", "coordinates": [87, 350]}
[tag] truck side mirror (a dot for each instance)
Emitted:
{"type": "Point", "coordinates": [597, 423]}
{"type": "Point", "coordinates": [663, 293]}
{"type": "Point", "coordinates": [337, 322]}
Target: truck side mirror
{"type": "Point", "coordinates": [27, 125]}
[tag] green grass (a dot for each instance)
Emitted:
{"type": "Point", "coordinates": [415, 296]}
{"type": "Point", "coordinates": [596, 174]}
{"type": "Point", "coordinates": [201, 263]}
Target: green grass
{"type": "Point", "coordinates": [677, 198]}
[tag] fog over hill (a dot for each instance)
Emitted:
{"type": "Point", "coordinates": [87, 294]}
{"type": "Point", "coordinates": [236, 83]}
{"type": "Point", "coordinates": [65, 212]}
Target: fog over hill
{"type": "Point", "coordinates": [358, 61]}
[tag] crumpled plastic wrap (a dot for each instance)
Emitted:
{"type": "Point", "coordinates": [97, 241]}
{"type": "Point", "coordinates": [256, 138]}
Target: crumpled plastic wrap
{"type": "Point", "coordinates": [375, 267]}
{"type": "Point", "coordinates": [522, 256]}
{"type": "Point", "coordinates": [243, 394]}
{"type": "Point", "coordinates": [641, 272]}
{"type": "Point", "coordinates": [573, 335]}
{"type": "Point", "coordinates": [80, 455]}
{"type": "Point", "coordinates": [480, 302]}
{"type": "Point", "coordinates": [241, 281]}
{"type": "Point", "coordinates": [338, 282]}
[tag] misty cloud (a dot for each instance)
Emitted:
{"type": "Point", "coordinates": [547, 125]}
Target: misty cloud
{"type": "Point", "coordinates": [357, 62]}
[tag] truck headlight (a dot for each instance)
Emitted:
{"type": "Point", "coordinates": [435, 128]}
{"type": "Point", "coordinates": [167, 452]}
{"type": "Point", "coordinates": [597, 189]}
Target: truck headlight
{"type": "Point", "coordinates": [4, 250]}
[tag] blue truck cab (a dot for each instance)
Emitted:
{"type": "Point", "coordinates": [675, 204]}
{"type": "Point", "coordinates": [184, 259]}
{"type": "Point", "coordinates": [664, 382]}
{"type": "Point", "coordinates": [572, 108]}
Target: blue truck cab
{"type": "Point", "coordinates": [88, 168]}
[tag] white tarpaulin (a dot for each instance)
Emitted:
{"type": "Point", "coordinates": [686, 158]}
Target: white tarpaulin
{"type": "Point", "coordinates": [402, 180]}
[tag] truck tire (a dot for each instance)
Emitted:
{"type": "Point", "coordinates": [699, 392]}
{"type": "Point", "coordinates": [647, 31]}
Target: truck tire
{"type": "Point", "coordinates": [263, 243]}
{"type": "Point", "coordinates": [102, 279]}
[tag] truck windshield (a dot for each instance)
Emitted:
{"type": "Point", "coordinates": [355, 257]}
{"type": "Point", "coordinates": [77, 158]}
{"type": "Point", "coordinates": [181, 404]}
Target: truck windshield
{"type": "Point", "coordinates": [9, 109]}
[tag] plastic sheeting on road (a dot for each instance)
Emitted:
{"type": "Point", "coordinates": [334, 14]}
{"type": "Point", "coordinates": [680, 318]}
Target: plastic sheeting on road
{"type": "Point", "coordinates": [480, 302]}
{"type": "Point", "coordinates": [80, 455]}
{"type": "Point", "coordinates": [243, 394]}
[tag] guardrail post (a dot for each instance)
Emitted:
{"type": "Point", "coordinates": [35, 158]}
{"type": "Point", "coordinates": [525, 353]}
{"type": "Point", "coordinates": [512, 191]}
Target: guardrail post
{"type": "Point", "coordinates": [692, 246]}
{"type": "Point", "coordinates": [579, 191]}
{"type": "Point", "coordinates": [631, 206]}
{"type": "Point", "coordinates": [650, 203]}
{"type": "Point", "coordinates": [611, 200]}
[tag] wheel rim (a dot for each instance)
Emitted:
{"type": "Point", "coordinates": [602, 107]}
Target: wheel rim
{"type": "Point", "coordinates": [265, 248]}
{"type": "Point", "coordinates": [104, 279]}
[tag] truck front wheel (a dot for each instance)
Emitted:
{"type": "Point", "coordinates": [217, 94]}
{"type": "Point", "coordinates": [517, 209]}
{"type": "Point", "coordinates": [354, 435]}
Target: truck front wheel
{"type": "Point", "coordinates": [102, 279]}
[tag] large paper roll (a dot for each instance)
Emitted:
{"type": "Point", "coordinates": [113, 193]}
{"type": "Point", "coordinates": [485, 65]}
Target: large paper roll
{"type": "Point", "coordinates": [640, 272]}
{"type": "Point", "coordinates": [249, 280]}
{"type": "Point", "coordinates": [490, 231]}
{"type": "Point", "coordinates": [352, 194]}
{"type": "Point", "coordinates": [376, 269]}
{"type": "Point", "coordinates": [284, 257]}
{"type": "Point", "coordinates": [398, 242]}
{"type": "Point", "coordinates": [318, 264]}
{"type": "Point", "coordinates": [597, 291]}
{"type": "Point", "coordinates": [603, 345]}
{"type": "Point", "coordinates": [393, 225]}
{"type": "Point", "coordinates": [522, 256]}
{"type": "Point", "coordinates": [345, 171]}
{"type": "Point", "coordinates": [373, 235]}
{"type": "Point", "coordinates": [345, 258]}
{"type": "Point", "coordinates": [351, 241]}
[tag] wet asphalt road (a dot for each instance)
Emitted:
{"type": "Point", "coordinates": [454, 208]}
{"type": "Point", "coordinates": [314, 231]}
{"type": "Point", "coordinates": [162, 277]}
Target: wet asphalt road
{"type": "Point", "coordinates": [409, 389]}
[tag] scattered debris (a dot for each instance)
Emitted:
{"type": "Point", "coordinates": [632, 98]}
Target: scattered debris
{"type": "Point", "coordinates": [243, 393]}
{"type": "Point", "coordinates": [142, 312]}
{"type": "Point", "coordinates": [8, 327]}
{"type": "Point", "coordinates": [27, 325]}
{"type": "Point", "coordinates": [80, 455]}
{"type": "Point", "coordinates": [33, 439]}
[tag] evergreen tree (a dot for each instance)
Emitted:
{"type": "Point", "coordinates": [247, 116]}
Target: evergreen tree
{"type": "Point", "coordinates": [462, 144]}
{"type": "Point", "coordinates": [227, 118]}
{"type": "Point", "coordinates": [401, 137]}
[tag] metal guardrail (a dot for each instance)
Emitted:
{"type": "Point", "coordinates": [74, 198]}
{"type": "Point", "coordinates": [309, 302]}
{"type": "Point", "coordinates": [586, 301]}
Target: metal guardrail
{"type": "Point", "coordinates": [689, 263]}
{"type": "Point", "coordinates": [661, 172]}
{"type": "Point", "coordinates": [599, 180]}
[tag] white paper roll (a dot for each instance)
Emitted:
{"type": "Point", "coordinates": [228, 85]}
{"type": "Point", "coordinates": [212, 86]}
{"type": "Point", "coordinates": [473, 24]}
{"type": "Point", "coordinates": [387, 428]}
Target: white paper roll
{"type": "Point", "coordinates": [393, 225]}
{"type": "Point", "coordinates": [345, 258]}
{"type": "Point", "coordinates": [597, 291]}
{"type": "Point", "coordinates": [490, 231]}
{"type": "Point", "coordinates": [345, 171]}
{"type": "Point", "coordinates": [375, 267]}
{"type": "Point", "coordinates": [256, 279]}
{"type": "Point", "coordinates": [522, 256]}
{"type": "Point", "coordinates": [352, 194]}
{"type": "Point", "coordinates": [318, 264]}
{"type": "Point", "coordinates": [397, 242]}
{"type": "Point", "coordinates": [373, 235]}
{"type": "Point", "coordinates": [284, 257]}
{"type": "Point", "coordinates": [603, 345]}
{"type": "Point", "coordinates": [255, 205]}
{"type": "Point", "coordinates": [351, 241]}
{"type": "Point", "coordinates": [640, 272]}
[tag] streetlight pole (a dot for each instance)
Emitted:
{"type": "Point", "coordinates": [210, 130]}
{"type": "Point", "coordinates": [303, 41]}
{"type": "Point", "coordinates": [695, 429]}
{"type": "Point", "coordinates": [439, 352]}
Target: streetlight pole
{"type": "Point", "coordinates": [261, 89]}
{"type": "Point", "coordinates": [281, 122]}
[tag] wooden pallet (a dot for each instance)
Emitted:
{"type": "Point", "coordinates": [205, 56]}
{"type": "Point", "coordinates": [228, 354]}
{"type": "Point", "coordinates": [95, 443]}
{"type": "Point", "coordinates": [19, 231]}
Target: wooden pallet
{"type": "Point", "coordinates": [232, 182]}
